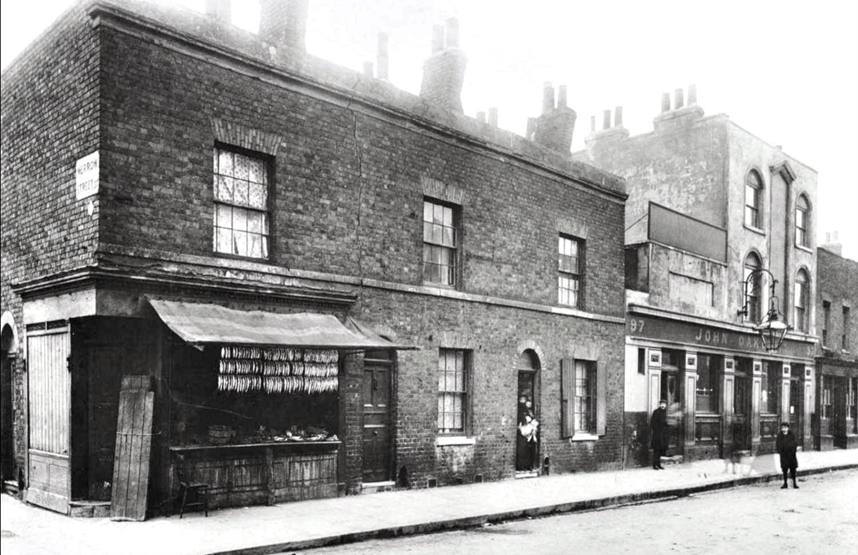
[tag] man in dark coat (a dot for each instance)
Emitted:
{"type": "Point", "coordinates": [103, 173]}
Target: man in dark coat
{"type": "Point", "coordinates": [660, 435]}
{"type": "Point", "coordinates": [786, 447]}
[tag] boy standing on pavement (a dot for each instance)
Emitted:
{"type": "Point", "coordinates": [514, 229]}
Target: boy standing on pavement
{"type": "Point", "coordinates": [786, 447]}
{"type": "Point", "coordinates": [660, 435]}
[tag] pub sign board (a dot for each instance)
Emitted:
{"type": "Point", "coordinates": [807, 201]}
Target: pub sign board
{"type": "Point", "coordinates": [649, 327]}
{"type": "Point", "coordinates": [86, 176]}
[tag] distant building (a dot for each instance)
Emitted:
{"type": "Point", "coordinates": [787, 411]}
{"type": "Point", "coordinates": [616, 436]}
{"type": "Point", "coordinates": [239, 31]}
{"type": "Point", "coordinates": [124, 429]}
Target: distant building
{"type": "Point", "coordinates": [709, 202]}
{"type": "Point", "coordinates": [836, 411]}
{"type": "Point", "coordinates": [260, 237]}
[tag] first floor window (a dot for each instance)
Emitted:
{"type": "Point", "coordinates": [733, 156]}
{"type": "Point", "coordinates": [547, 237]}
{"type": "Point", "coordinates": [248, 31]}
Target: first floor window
{"type": "Point", "coordinates": [241, 203]}
{"type": "Point", "coordinates": [801, 304]}
{"type": "Point", "coordinates": [753, 190]}
{"type": "Point", "coordinates": [583, 398]}
{"type": "Point", "coordinates": [452, 391]}
{"type": "Point", "coordinates": [707, 383]}
{"type": "Point", "coordinates": [569, 271]}
{"type": "Point", "coordinates": [440, 243]}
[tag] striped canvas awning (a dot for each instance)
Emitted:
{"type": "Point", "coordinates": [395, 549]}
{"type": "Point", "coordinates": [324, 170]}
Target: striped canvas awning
{"type": "Point", "coordinates": [200, 324]}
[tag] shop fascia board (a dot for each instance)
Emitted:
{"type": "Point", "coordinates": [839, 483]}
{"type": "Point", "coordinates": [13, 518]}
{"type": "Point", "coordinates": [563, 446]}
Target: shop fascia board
{"type": "Point", "coordinates": [95, 292]}
{"type": "Point", "coordinates": [699, 320]}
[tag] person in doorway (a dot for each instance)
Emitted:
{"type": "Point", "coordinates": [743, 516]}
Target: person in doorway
{"type": "Point", "coordinates": [660, 436]}
{"type": "Point", "coordinates": [527, 428]}
{"type": "Point", "coordinates": [787, 446]}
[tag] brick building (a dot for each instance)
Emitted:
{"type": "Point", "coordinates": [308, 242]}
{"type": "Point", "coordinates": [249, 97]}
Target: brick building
{"type": "Point", "coordinates": [239, 222]}
{"type": "Point", "coordinates": [836, 410]}
{"type": "Point", "coordinates": [709, 203]}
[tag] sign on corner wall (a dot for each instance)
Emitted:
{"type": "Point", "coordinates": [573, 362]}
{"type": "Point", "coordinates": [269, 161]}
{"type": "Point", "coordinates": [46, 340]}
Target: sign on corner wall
{"type": "Point", "coordinates": [86, 176]}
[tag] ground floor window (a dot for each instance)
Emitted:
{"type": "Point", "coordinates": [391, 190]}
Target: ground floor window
{"type": "Point", "coordinates": [452, 391]}
{"type": "Point", "coordinates": [825, 396]}
{"type": "Point", "coordinates": [852, 404]}
{"type": "Point", "coordinates": [583, 398]}
{"type": "Point", "coordinates": [708, 377]}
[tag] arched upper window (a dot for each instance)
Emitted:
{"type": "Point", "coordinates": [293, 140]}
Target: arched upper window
{"type": "Point", "coordinates": [753, 202]}
{"type": "Point", "coordinates": [751, 290]}
{"type": "Point", "coordinates": [802, 221]}
{"type": "Point", "coordinates": [800, 302]}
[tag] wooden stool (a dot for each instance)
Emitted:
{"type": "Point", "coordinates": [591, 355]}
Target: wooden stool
{"type": "Point", "coordinates": [199, 496]}
{"type": "Point", "coordinates": [199, 492]}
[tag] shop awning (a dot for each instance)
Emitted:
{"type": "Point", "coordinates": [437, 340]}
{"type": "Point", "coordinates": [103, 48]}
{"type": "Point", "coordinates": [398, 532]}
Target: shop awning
{"type": "Point", "coordinates": [201, 324]}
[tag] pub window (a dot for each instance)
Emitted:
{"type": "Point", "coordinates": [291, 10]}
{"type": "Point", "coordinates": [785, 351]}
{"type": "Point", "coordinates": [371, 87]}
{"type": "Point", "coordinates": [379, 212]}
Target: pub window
{"type": "Point", "coordinates": [751, 290]}
{"type": "Point", "coordinates": [826, 322]}
{"type": "Point", "coordinates": [241, 186]}
{"type": "Point", "coordinates": [801, 301]}
{"type": "Point", "coordinates": [707, 383]}
{"type": "Point", "coordinates": [802, 221]}
{"type": "Point", "coordinates": [453, 383]}
{"type": "Point", "coordinates": [440, 243]}
{"type": "Point", "coordinates": [825, 400]}
{"type": "Point", "coordinates": [753, 194]}
{"type": "Point", "coordinates": [770, 379]}
{"type": "Point", "coordinates": [570, 270]}
{"type": "Point", "coordinates": [583, 398]}
{"type": "Point", "coordinates": [852, 404]}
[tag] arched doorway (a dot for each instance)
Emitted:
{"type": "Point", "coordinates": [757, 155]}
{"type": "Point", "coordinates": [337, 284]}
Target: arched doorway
{"type": "Point", "coordinates": [528, 433]}
{"type": "Point", "coordinates": [7, 455]}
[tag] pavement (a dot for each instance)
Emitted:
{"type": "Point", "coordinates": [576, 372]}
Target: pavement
{"type": "Point", "coordinates": [292, 527]}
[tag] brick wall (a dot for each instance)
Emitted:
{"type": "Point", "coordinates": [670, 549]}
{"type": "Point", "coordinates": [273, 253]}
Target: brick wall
{"type": "Point", "coordinates": [49, 113]}
{"type": "Point", "coordinates": [838, 284]}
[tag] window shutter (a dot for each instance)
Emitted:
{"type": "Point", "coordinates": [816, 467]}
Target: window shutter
{"type": "Point", "coordinates": [567, 396]}
{"type": "Point", "coordinates": [601, 398]}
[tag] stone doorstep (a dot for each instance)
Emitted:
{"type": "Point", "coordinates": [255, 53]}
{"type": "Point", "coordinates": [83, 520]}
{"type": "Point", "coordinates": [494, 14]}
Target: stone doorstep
{"type": "Point", "coordinates": [526, 474]}
{"type": "Point", "coordinates": [10, 487]}
{"type": "Point", "coordinates": [89, 509]}
{"type": "Point", "coordinates": [675, 459]}
{"type": "Point", "coordinates": [377, 487]}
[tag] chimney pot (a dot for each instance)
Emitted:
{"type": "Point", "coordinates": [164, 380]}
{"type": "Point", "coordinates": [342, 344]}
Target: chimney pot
{"type": "Point", "coordinates": [618, 116]}
{"type": "Point", "coordinates": [481, 117]}
{"type": "Point", "coordinates": [665, 102]}
{"type": "Point", "coordinates": [452, 33]}
{"type": "Point", "coordinates": [220, 10]}
{"type": "Point", "coordinates": [547, 98]}
{"type": "Point", "coordinates": [531, 128]}
{"type": "Point", "coordinates": [677, 99]}
{"type": "Point", "coordinates": [437, 38]}
{"type": "Point", "coordinates": [382, 55]}
{"type": "Point", "coordinates": [606, 119]}
{"type": "Point", "coordinates": [493, 117]}
{"type": "Point", "coordinates": [692, 95]}
{"type": "Point", "coordinates": [592, 124]}
{"type": "Point", "coordinates": [561, 97]}
{"type": "Point", "coordinates": [367, 69]}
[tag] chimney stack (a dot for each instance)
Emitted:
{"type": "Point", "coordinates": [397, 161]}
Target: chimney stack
{"type": "Point", "coordinates": [554, 128]}
{"type": "Point", "coordinates": [444, 71]}
{"type": "Point", "coordinates": [592, 124]}
{"type": "Point", "coordinates": [677, 99]}
{"type": "Point", "coordinates": [681, 115]}
{"type": "Point", "coordinates": [618, 116]}
{"type": "Point", "coordinates": [531, 129]}
{"type": "Point", "coordinates": [493, 117]}
{"type": "Point", "coordinates": [382, 56]}
{"type": "Point", "coordinates": [368, 70]}
{"type": "Point", "coordinates": [283, 23]}
{"type": "Point", "coordinates": [219, 10]}
{"type": "Point", "coordinates": [665, 102]}
{"type": "Point", "coordinates": [606, 119]}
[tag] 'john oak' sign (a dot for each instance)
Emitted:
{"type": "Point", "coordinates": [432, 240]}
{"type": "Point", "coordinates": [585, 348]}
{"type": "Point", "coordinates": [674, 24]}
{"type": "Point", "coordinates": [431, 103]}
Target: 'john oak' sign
{"type": "Point", "coordinates": [638, 325]}
{"type": "Point", "coordinates": [86, 176]}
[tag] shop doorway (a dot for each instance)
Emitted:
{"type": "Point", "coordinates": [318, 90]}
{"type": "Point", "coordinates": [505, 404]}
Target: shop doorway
{"type": "Point", "coordinates": [742, 405]}
{"type": "Point", "coordinates": [378, 367]}
{"type": "Point", "coordinates": [527, 431]}
{"type": "Point", "coordinates": [6, 439]}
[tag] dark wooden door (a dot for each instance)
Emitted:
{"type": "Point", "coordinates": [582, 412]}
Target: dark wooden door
{"type": "Point", "coordinates": [376, 417]}
{"type": "Point", "coordinates": [796, 406]}
{"type": "Point", "coordinates": [6, 455]}
{"type": "Point", "coordinates": [670, 392]}
{"type": "Point", "coordinates": [105, 372]}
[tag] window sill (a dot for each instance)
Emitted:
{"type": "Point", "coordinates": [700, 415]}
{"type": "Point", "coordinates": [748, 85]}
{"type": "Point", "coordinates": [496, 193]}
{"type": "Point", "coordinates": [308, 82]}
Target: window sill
{"type": "Point", "coordinates": [584, 437]}
{"type": "Point", "coordinates": [804, 248]}
{"type": "Point", "coordinates": [454, 440]}
{"type": "Point", "coordinates": [755, 229]}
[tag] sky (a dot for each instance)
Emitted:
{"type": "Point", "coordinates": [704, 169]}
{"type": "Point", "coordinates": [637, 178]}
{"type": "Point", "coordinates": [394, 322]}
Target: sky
{"type": "Point", "coordinates": [787, 71]}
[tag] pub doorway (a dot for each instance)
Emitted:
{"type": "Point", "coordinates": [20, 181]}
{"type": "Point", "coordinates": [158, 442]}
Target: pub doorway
{"type": "Point", "coordinates": [796, 402]}
{"type": "Point", "coordinates": [742, 404]}
{"type": "Point", "coordinates": [527, 432]}
{"type": "Point", "coordinates": [671, 385]}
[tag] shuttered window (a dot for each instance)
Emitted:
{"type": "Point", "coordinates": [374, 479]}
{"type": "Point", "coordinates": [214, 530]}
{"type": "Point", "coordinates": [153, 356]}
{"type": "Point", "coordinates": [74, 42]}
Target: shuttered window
{"type": "Point", "coordinates": [583, 399]}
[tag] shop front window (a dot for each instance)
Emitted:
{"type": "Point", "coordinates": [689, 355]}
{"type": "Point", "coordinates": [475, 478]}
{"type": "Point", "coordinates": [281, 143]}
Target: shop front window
{"type": "Point", "coordinates": [707, 383]}
{"type": "Point", "coordinates": [825, 397]}
{"type": "Point", "coordinates": [852, 404]}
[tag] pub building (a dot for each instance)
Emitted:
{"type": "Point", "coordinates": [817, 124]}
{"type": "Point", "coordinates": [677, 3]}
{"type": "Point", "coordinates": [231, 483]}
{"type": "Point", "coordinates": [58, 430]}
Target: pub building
{"type": "Point", "coordinates": [725, 391]}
